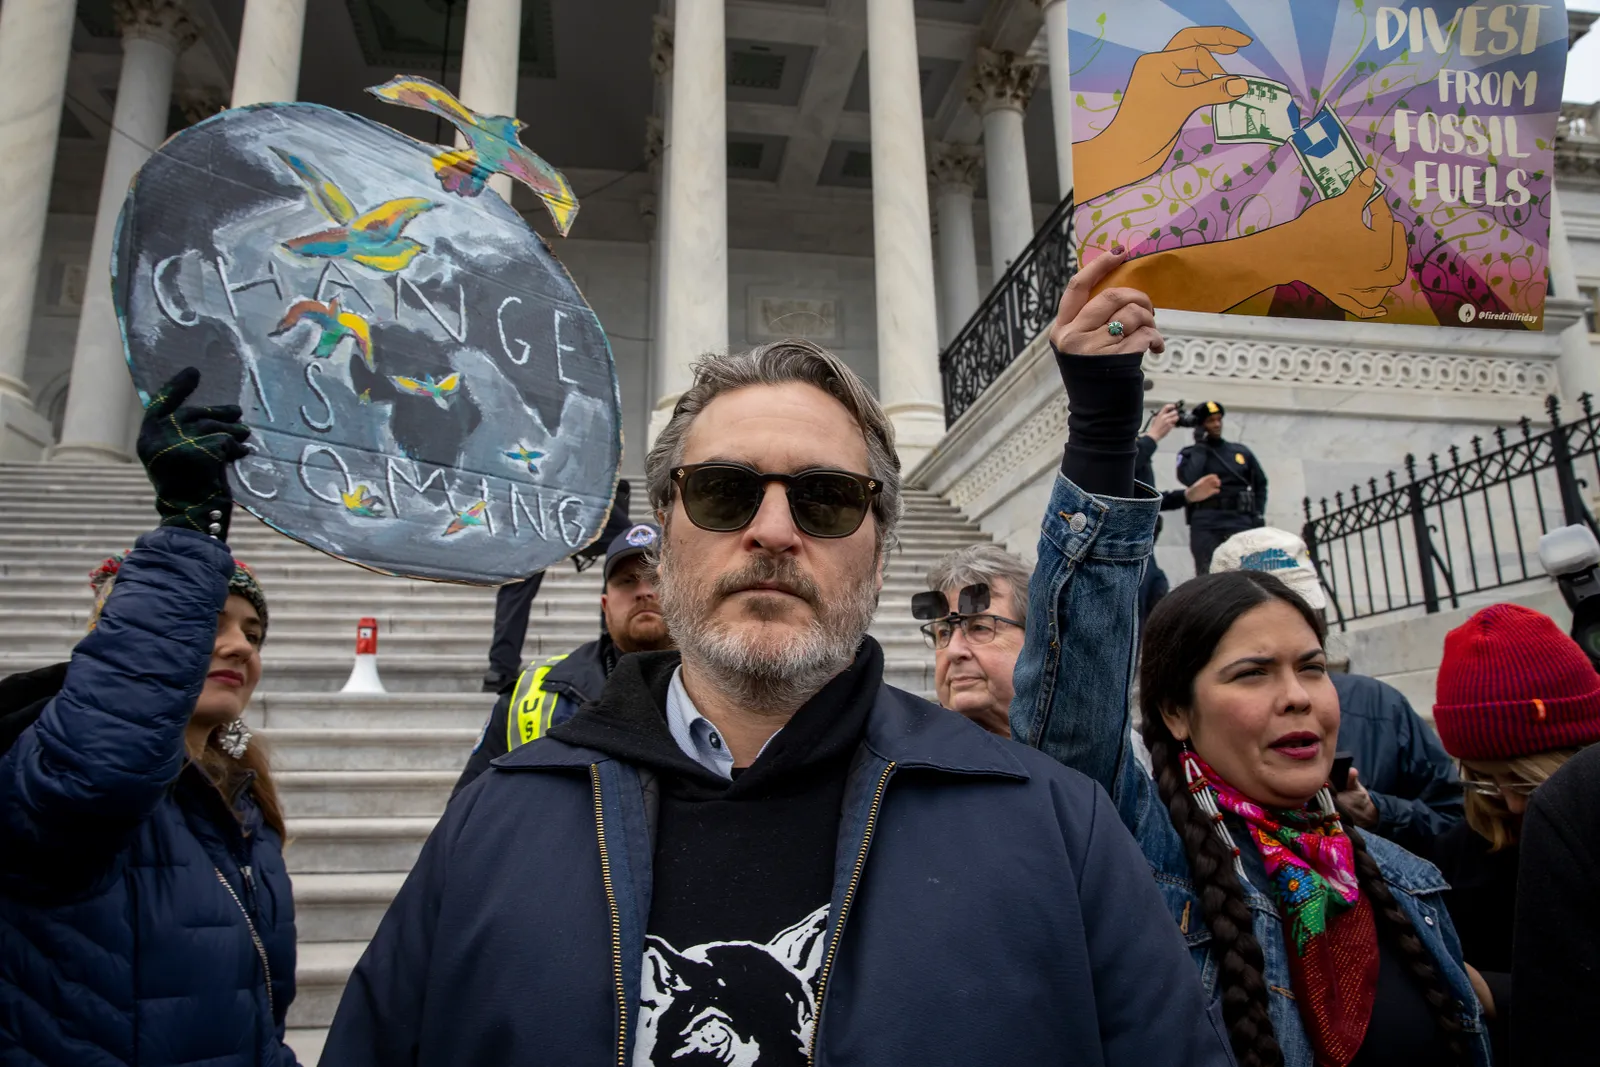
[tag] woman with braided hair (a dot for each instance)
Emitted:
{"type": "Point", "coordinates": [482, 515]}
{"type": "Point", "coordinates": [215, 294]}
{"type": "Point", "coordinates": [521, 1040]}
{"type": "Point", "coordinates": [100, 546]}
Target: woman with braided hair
{"type": "Point", "coordinates": [1321, 948]}
{"type": "Point", "coordinates": [1314, 955]}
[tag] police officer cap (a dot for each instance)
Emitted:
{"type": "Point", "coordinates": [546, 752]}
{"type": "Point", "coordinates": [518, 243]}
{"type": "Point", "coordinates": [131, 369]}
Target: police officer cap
{"type": "Point", "coordinates": [636, 540]}
{"type": "Point", "coordinates": [1208, 409]}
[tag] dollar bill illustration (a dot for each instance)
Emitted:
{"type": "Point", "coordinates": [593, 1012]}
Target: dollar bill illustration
{"type": "Point", "coordinates": [1329, 156]}
{"type": "Point", "coordinates": [1265, 114]}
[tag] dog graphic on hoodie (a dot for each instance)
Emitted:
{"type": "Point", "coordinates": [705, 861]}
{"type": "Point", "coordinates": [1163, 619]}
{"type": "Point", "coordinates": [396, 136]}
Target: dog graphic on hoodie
{"type": "Point", "coordinates": [714, 1003]}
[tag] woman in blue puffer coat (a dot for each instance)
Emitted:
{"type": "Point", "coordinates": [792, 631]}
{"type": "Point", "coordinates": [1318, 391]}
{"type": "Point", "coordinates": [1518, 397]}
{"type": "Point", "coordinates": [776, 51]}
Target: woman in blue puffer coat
{"type": "Point", "coordinates": [145, 910]}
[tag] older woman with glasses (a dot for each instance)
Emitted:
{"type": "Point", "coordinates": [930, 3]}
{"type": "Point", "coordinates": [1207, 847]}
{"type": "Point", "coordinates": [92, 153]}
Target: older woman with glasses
{"type": "Point", "coordinates": [975, 608]}
{"type": "Point", "coordinates": [1517, 698]}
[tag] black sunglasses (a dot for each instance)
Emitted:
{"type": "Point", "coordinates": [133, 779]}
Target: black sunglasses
{"type": "Point", "coordinates": [723, 497]}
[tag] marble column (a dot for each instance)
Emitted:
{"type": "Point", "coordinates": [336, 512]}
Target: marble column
{"type": "Point", "coordinates": [490, 57]}
{"type": "Point", "coordinates": [954, 172]}
{"type": "Point", "coordinates": [656, 153]}
{"type": "Point", "coordinates": [1001, 86]}
{"type": "Point", "coordinates": [1055, 29]}
{"type": "Point", "coordinates": [35, 46]}
{"type": "Point", "coordinates": [908, 329]}
{"type": "Point", "coordinates": [695, 279]}
{"type": "Point", "coordinates": [100, 394]}
{"type": "Point", "coordinates": [267, 69]}
{"type": "Point", "coordinates": [1579, 367]}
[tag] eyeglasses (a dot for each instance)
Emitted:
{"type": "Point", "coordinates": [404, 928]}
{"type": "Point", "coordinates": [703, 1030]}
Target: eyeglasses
{"type": "Point", "coordinates": [977, 629]}
{"type": "Point", "coordinates": [1498, 789]}
{"type": "Point", "coordinates": [724, 497]}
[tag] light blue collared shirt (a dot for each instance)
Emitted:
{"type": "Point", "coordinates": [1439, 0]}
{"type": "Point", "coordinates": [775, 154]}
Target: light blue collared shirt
{"type": "Point", "coordinates": [696, 736]}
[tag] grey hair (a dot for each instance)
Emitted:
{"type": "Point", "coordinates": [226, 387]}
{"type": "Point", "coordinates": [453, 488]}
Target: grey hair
{"type": "Point", "coordinates": [983, 563]}
{"type": "Point", "coordinates": [779, 363]}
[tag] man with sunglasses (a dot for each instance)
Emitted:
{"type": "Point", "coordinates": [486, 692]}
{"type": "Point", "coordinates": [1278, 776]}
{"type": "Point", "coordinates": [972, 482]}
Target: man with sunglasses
{"type": "Point", "coordinates": [755, 851]}
{"type": "Point", "coordinates": [975, 610]}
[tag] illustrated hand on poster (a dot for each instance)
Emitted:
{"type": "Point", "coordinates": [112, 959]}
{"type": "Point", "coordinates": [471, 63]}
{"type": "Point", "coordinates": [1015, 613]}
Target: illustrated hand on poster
{"type": "Point", "coordinates": [1355, 265]}
{"type": "Point", "coordinates": [1333, 160]}
{"type": "Point", "coordinates": [1166, 87]}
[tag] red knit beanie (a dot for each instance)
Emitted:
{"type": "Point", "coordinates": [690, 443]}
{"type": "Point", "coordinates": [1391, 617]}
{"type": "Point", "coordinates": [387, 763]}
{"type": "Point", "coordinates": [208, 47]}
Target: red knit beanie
{"type": "Point", "coordinates": [1512, 684]}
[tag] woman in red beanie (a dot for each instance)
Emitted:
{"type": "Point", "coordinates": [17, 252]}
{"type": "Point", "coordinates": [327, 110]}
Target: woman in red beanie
{"type": "Point", "coordinates": [1517, 698]}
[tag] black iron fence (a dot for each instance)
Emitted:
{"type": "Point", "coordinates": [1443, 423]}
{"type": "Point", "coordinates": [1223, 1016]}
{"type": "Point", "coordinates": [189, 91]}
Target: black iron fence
{"type": "Point", "coordinates": [1434, 536]}
{"type": "Point", "coordinates": [1019, 307]}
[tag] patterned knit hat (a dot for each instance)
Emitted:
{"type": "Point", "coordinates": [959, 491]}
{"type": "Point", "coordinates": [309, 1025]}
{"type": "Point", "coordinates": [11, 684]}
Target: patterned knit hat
{"type": "Point", "coordinates": [242, 581]}
{"type": "Point", "coordinates": [1512, 684]}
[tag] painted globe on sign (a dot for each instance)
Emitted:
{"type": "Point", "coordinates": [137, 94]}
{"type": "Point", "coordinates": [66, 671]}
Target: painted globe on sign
{"type": "Point", "coordinates": [428, 393]}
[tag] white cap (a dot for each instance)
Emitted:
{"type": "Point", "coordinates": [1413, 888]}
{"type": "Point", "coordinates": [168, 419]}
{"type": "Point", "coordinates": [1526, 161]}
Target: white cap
{"type": "Point", "coordinates": [1279, 553]}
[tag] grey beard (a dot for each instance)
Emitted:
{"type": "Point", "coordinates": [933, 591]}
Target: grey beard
{"type": "Point", "coordinates": [765, 681]}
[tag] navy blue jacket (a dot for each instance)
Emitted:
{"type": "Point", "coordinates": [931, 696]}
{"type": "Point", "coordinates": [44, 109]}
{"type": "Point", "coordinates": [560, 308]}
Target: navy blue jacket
{"type": "Point", "coordinates": [988, 907]}
{"type": "Point", "coordinates": [119, 944]}
{"type": "Point", "coordinates": [1411, 777]}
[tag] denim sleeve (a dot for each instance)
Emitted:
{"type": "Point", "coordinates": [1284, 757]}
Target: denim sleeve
{"type": "Point", "coordinates": [1075, 674]}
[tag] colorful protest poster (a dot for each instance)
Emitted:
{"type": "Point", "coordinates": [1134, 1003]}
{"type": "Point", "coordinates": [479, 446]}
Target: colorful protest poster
{"type": "Point", "coordinates": [429, 394]}
{"type": "Point", "coordinates": [1337, 159]}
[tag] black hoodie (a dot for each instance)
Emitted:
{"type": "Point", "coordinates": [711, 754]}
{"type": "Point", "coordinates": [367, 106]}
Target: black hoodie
{"type": "Point", "coordinates": [743, 870]}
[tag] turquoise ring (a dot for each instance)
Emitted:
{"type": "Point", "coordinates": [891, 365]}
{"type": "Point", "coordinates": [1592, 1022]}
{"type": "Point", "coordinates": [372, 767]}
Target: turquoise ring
{"type": "Point", "coordinates": [1115, 328]}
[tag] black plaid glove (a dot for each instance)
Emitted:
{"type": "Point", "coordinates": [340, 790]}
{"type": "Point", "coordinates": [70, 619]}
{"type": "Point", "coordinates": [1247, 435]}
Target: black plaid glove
{"type": "Point", "coordinates": [186, 452]}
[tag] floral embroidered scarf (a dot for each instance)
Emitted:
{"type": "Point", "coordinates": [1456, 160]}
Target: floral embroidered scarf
{"type": "Point", "coordinates": [1332, 937]}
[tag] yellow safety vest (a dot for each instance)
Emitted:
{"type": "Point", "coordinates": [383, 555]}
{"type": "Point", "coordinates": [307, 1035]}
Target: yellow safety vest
{"type": "Point", "coordinates": [531, 705]}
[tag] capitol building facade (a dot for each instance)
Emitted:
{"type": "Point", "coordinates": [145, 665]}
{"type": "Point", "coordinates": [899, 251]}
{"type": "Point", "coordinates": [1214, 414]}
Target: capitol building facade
{"type": "Point", "coordinates": [884, 177]}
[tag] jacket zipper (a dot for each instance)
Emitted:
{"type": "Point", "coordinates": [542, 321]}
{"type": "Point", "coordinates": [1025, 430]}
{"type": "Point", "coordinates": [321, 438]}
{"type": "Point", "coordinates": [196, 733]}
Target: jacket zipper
{"type": "Point", "coordinates": [255, 938]}
{"type": "Point", "coordinates": [844, 909]}
{"type": "Point", "coordinates": [616, 918]}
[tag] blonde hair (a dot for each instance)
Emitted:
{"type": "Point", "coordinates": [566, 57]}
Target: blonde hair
{"type": "Point", "coordinates": [1488, 815]}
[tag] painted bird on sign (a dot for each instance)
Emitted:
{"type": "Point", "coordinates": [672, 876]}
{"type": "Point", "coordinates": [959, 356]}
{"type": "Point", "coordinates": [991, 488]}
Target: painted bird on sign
{"type": "Point", "coordinates": [492, 148]}
{"type": "Point", "coordinates": [334, 324]}
{"type": "Point", "coordinates": [440, 390]}
{"type": "Point", "coordinates": [371, 238]}
{"type": "Point", "coordinates": [473, 516]}
{"type": "Point", "coordinates": [362, 502]}
{"type": "Point", "coordinates": [530, 456]}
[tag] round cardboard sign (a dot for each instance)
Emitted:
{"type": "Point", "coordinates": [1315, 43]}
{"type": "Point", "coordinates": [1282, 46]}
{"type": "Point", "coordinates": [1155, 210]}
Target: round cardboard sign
{"type": "Point", "coordinates": [428, 393]}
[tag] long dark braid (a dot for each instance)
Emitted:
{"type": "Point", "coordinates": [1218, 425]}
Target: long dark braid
{"type": "Point", "coordinates": [1240, 964]}
{"type": "Point", "coordinates": [1396, 924]}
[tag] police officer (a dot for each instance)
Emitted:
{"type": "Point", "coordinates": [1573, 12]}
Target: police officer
{"type": "Point", "coordinates": [549, 692]}
{"type": "Point", "coordinates": [1155, 584]}
{"type": "Point", "coordinates": [1242, 503]}
{"type": "Point", "coordinates": [514, 600]}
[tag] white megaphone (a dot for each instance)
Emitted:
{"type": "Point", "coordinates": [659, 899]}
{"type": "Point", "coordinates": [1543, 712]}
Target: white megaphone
{"type": "Point", "coordinates": [364, 675]}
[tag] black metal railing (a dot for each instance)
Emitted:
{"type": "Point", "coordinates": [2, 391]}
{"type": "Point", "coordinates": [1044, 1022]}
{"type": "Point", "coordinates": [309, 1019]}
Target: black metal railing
{"type": "Point", "coordinates": [1439, 535]}
{"type": "Point", "coordinates": [1020, 306]}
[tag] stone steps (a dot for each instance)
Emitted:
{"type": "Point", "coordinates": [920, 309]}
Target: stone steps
{"type": "Point", "coordinates": [363, 779]}
{"type": "Point", "coordinates": [332, 844]}
{"type": "Point", "coordinates": [348, 794]}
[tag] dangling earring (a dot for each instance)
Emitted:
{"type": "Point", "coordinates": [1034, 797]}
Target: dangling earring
{"type": "Point", "coordinates": [1206, 797]}
{"type": "Point", "coordinates": [1329, 811]}
{"type": "Point", "coordinates": [234, 738]}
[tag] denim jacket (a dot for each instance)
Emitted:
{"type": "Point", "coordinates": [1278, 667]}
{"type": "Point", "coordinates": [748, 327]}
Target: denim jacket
{"type": "Point", "coordinates": [1073, 702]}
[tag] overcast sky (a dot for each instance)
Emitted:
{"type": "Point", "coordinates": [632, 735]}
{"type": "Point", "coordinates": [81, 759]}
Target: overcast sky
{"type": "Point", "coordinates": [1583, 62]}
